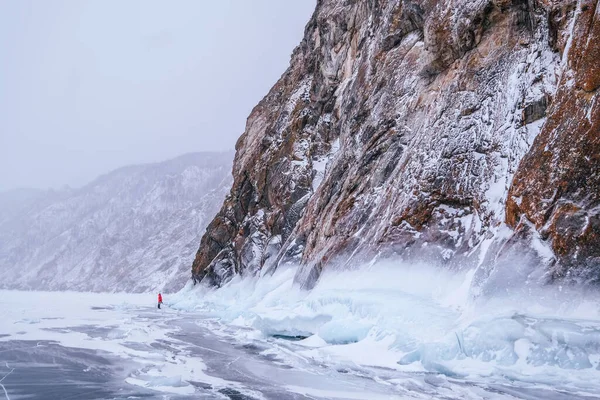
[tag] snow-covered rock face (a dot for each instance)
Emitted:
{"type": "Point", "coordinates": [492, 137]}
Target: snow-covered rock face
{"type": "Point", "coordinates": [397, 131]}
{"type": "Point", "coordinates": [134, 229]}
{"type": "Point", "coordinates": [557, 187]}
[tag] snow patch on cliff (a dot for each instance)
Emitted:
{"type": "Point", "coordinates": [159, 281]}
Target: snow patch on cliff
{"type": "Point", "coordinates": [320, 165]}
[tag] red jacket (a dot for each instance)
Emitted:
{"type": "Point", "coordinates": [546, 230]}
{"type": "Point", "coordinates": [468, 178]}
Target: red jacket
{"type": "Point", "coordinates": [159, 298]}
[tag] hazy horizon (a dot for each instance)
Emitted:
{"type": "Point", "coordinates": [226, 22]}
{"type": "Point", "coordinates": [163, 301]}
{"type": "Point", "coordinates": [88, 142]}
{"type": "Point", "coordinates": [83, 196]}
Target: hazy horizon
{"type": "Point", "coordinates": [87, 89]}
{"type": "Point", "coordinates": [117, 168]}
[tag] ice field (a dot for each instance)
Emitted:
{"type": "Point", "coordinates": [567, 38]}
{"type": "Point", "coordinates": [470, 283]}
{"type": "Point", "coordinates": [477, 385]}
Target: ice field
{"type": "Point", "coordinates": [379, 333]}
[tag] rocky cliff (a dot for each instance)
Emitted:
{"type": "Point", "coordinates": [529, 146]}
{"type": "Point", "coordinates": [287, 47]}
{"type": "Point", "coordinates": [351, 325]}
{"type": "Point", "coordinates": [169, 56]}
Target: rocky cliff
{"type": "Point", "coordinates": [134, 229]}
{"type": "Point", "coordinates": [457, 132]}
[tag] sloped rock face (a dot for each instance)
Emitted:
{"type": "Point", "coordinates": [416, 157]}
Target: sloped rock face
{"type": "Point", "coordinates": [395, 132]}
{"type": "Point", "coordinates": [557, 185]}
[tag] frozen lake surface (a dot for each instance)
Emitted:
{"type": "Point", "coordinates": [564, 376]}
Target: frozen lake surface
{"type": "Point", "coordinates": [114, 346]}
{"type": "Point", "coordinates": [267, 341]}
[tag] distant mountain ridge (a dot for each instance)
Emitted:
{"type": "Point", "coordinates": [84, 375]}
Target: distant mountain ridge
{"type": "Point", "coordinates": [134, 229]}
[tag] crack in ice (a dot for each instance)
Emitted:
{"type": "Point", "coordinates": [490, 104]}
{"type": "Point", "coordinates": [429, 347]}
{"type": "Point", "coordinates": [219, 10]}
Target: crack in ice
{"type": "Point", "coordinates": [3, 378]}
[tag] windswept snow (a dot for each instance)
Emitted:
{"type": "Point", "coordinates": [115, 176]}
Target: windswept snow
{"type": "Point", "coordinates": [381, 332]}
{"type": "Point", "coordinates": [118, 346]}
{"type": "Point", "coordinates": [416, 322]}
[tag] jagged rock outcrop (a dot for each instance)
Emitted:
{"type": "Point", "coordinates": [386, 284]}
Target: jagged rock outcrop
{"type": "Point", "coordinates": [134, 229]}
{"type": "Point", "coordinates": [557, 186]}
{"type": "Point", "coordinates": [396, 132]}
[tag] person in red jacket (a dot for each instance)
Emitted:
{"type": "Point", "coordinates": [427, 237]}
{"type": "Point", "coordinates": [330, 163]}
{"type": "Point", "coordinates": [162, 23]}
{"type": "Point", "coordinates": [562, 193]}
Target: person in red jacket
{"type": "Point", "coordinates": [159, 300]}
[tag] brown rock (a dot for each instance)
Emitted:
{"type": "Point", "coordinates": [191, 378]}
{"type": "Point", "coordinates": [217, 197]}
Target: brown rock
{"type": "Point", "coordinates": [397, 129]}
{"type": "Point", "coordinates": [557, 185]}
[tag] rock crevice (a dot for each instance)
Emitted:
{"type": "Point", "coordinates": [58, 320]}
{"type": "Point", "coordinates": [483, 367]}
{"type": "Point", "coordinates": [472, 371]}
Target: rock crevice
{"type": "Point", "coordinates": [397, 131]}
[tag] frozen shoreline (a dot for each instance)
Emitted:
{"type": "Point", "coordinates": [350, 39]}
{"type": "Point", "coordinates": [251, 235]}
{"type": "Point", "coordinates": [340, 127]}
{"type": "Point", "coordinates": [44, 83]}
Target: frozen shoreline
{"type": "Point", "coordinates": [417, 320]}
{"type": "Point", "coordinates": [148, 353]}
{"type": "Point", "coordinates": [377, 333]}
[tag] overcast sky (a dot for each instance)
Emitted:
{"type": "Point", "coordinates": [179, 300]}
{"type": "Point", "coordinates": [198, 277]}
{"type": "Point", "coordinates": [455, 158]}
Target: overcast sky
{"type": "Point", "coordinates": [89, 86]}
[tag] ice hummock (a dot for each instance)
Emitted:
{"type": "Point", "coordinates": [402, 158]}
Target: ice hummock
{"type": "Point", "coordinates": [420, 319]}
